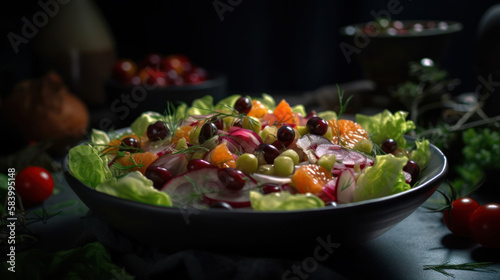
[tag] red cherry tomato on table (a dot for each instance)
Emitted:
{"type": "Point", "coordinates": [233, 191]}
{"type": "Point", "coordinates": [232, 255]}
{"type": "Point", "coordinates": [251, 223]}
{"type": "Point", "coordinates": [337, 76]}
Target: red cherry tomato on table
{"type": "Point", "coordinates": [34, 184]}
{"type": "Point", "coordinates": [457, 218]}
{"type": "Point", "coordinates": [485, 225]}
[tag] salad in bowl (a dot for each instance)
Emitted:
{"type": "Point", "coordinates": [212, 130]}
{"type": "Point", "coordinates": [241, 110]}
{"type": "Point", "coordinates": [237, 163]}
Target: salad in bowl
{"type": "Point", "coordinates": [252, 153]}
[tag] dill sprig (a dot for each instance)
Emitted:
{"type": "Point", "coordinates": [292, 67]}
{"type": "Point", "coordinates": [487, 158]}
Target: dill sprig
{"type": "Point", "coordinates": [472, 266]}
{"type": "Point", "coordinates": [191, 149]}
{"type": "Point", "coordinates": [342, 105]}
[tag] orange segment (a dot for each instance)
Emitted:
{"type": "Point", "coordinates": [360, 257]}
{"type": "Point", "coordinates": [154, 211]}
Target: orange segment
{"type": "Point", "coordinates": [283, 113]}
{"type": "Point", "coordinates": [182, 132]}
{"type": "Point", "coordinates": [310, 178]}
{"type": "Point", "coordinates": [114, 145]}
{"type": "Point", "coordinates": [222, 157]}
{"type": "Point", "coordinates": [142, 160]}
{"type": "Point", "coordinates": [350, 132]}
{"type": "Point", "coordinates": [258, 109]}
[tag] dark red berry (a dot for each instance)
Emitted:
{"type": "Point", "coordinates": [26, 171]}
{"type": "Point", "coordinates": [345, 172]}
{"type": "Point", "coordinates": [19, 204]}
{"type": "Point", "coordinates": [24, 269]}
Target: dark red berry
{"type": "Point", "coordinates": [413, 169]}
{"type": "Point", "coordinates": [270, 188]}
{"type": "Point", "coordinates": [389, 145]}
{"type": "Point", "coordinates": [317, 125]}
{"type": "Point", "coordinates": [219, 123]}
{"type": "Point", "coordinates": [159, 175]}
{"type": "Point", "coordinates": [208, 130]}
{"type": "Point", "coordinates": [269, 152]}
{"type": "Point", "coordinates": [130, 144]}
{"type": "Point", "coordinates": [195, 164]}
{"type": "Point", "coordinates": [243, 105]}
{"type": "Point", "coordinates": [157, 131]}
{"type": "Point", "coordinates": [232, 178]}
{"type": "Point", "coordinates": [286, 135]}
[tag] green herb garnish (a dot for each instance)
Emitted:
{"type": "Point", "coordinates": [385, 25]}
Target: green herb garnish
{"type": "Point", "coordinates": [473, 266]}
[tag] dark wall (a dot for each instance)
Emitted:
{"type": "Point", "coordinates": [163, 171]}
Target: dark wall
{"type": "Point", "coordinates": [261, 45]}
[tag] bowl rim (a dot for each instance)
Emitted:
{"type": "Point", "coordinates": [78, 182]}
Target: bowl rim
{"type": "Point", "coordinates": [341, 207]}
{"type": "Point", "coordinates": [452, 27]}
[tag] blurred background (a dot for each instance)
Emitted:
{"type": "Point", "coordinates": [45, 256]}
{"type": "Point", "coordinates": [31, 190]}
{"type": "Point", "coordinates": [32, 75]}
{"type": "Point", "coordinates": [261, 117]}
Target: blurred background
{"type": "Point", "coordinates": [284, 48]}
{"type": "Point", "coordinates": [261, 46]}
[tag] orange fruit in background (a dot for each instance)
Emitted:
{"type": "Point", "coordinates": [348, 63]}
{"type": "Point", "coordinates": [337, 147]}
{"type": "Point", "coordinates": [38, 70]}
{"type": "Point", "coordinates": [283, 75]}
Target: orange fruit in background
{"type": "Point", "coordinates": [222, 157]}
{"type": "Point", "coordinates": [350, 132]}
{"type": "Point", "coordinates": [114, 145]}
{"type": "Point", "coordinates": [284, 113]}
{"type": "Point", "coordinates": [258, 109]}
{"type": "Point", "coordinates": [310, 178]}
{"type": "Point", "coordinates": [142, 160]}
{"type": "Point", "coordinates": [182, 132]}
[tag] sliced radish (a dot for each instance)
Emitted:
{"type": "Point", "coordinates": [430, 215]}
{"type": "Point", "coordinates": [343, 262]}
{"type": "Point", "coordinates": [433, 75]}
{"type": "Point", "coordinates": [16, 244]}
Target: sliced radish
{"type": "Point", "coordinates": [175, 164]}
{"type": "Point", "coordinates": [205, 183]}
{"type": "Point", "coordinates": [311, 141]}
{"type": "Point", "coordinates": [337, 150]}
{"type": "Point", "coordinates": [329, 192]}
{"type": "Point", "coordinates": [345, 186]}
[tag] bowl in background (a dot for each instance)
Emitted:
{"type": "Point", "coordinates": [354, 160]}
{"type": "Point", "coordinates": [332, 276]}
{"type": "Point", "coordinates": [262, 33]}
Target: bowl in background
{"type": "Point", "coordinates": [385, 48]}
{"type": "Point", "coordinates": [127, 102]}
{"type": "Point", "coordinates": [260, 233]}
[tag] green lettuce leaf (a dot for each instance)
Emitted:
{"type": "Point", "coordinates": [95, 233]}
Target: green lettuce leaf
{"type": "Point", "coordinates": [284, 201]}
{"type": "Point", "coordinates": [91, 261]}
{"type": "Point", "coordinates": [87, 166]}
{"type": "Point", "coordinates": [228, 101]}
{"type": "Point", "coordinates": [201, 106]}
{"type": "Point", "coordinates": [140, 125]}
{"type": "Point", "coordinates": [99, 139]}
{"type": "Point", "coordinates": [384, 178]}
{"type": "Point", "coordinates": [422, 154]}
{"type": "Point", "coordinates": [135, 186]}
{"type": "Point", "coordinates": [268, 101]}
{"type": "Point", "coordinates": [386, 125]}
{"type": "Point", "coordinates": [328, 115]}
{"type": "Point", "coordinates": [299, 109]}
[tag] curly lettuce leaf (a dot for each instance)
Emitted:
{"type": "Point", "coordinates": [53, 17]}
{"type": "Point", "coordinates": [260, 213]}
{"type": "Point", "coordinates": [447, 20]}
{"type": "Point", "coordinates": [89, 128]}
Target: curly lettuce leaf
{"type": "Point", "coordinates": [227, 102]}
{"type": "Point", "coordinates": [135, 186]}
{"type": "Point", "coordinates": [328, 115]}
{"type": "Point", "coordinates": [87, 166]}
{"type": "Point", "coordinates": [386, 125]}
{"type": "Point", "coordinates": [140, 125]}
{"type": "Point", "coordinates": [300, 109]}
{"type": "Point", "coordinates": [99, 139]}
{"type": "Point", "coordinates": [422, 154]}
{"type": "Point", "coordinates": [384, 178]}
{"type": "Point", "coordinates": [201, 106]}
{"type": "Point", "coordinates": [268, 101]}
{"type": "Point", "coordinates": [284, 201]}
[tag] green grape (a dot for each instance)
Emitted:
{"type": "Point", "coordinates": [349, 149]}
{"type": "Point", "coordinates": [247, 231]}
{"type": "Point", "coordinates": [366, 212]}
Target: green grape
{"type": "Point", "coordinates": [291, 154]}
{"type": "Point", "coordinates": [247, 163]}
{"type": "Point", "coordinates": [327, 161]}
{"type": "Point", "coordinates": [283, 166]}
{"type": "Point", "coordinates": [266, 169]}
{"type": "Point", "coordinates": [251, 123]}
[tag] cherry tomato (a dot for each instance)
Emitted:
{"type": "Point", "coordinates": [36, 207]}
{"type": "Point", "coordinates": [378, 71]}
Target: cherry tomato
{"type": "Point", "coordinates": [34, 184]}
{"type": "Point", "coordinates": [485, 225]}
{"type": "Point", "coordinates": [457, 218]}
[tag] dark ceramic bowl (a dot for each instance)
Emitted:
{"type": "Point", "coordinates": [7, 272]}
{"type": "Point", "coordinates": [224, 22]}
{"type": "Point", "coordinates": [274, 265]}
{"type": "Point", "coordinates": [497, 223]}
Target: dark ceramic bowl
{"type": "Point", "coordinates": [252, 232]}
{"type": "Point", "coordinates": [385, 50]}
{"type": "Point", "coordinates": [127, 102]}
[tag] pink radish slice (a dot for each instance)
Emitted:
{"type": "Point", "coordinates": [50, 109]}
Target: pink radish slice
{"type": "Point", "coordinates": [345, 186]}
{"type": "Point", "coordinates": [175, 164]}
{"type": "Point", "coordinates": [311, 141]}
{"type": "Point", "coordinates": [330, 191]}
{"type": "Point", "coordinates": [336, 150]}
